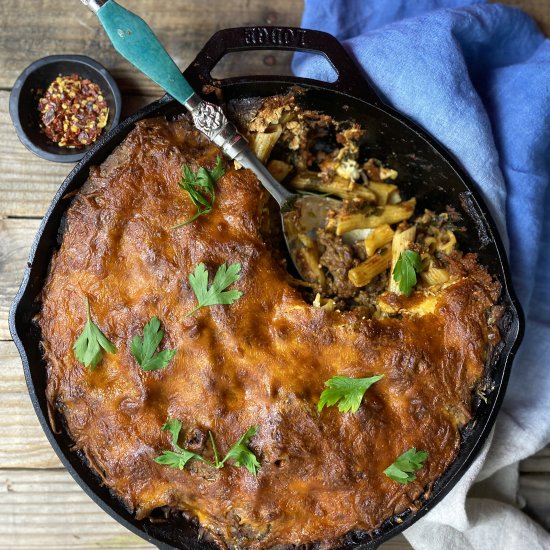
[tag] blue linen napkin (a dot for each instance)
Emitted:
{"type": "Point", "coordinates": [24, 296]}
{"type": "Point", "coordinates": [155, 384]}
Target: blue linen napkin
{"type": "Point", "coordinates": [477, 77]}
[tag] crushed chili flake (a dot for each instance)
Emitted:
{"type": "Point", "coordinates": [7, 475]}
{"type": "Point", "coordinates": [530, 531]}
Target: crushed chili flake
{"type": "Point", "coordinates": [73, 111]}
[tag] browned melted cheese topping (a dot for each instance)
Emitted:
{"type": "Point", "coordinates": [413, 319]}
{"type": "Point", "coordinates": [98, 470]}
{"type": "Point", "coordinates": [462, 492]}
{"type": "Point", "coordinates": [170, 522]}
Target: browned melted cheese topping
{"type": "Point", "coordinates": [261, 361]}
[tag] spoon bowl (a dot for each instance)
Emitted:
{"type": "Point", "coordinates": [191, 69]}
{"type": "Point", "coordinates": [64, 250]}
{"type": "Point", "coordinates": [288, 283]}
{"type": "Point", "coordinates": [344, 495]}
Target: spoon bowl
{"type": "Point", "coordinates": [301, 217]}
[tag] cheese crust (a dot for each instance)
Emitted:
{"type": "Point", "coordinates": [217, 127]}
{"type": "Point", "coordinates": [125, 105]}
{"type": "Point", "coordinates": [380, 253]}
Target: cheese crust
{"type": "Point", "coordinates": [260, 361]}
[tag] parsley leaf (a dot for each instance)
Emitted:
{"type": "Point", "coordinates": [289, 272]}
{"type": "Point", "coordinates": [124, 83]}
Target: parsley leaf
{"type": "Point", "coordinates": [177, 460]}
{"type": "Point", "coordinates": [143, 349]}
{"type": "Point", "coordinates": [241, 454]}
{"type": "Point", "coordinates": [217, 172]}
{"type": "Point", "coordinates": [349, 391]}
{"type": "Point", "coordinates": [199, 186]}
{"type": "Point", "coordinates": [87, 347]}
{"type": "Point", "coordinates": [173, 425]}
{"type": "Point", "coordinates": [402, 470]}
{"type": "Point", "coordinates": [405, 270]}
{"type": "Point", "coordinates": [180, 458]}
{"type": "Point", "coordinates": [215, 295]}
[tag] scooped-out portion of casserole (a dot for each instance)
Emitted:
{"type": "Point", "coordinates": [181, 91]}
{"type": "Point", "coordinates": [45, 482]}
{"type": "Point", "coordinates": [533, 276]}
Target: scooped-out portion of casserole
{"type": "Point", "coordinates": [200, 377]}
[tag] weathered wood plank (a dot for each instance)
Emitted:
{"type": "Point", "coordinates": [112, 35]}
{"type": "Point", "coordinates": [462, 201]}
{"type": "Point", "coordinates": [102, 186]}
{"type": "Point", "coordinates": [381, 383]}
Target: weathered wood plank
{"type": "Point", "coordinates": [23, 445]}
{"type": "Point", "coordinates": [183, 26]}
{"type": "Point", "coordinates": [22, 441]}
{"type": "Point", "coordinates": [17, 236]}
{"type": "Point", "coordinates": [47, 510]}
{"type": "Point", "coordinates": [28, 183]}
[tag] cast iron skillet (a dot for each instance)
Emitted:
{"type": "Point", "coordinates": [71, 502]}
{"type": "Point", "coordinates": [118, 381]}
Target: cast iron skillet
{"type": "Point", "coordinates": [428, 172]}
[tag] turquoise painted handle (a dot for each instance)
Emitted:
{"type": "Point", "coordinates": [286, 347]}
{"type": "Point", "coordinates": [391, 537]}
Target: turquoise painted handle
{"type": "Point", "coordinates": [134, 40]}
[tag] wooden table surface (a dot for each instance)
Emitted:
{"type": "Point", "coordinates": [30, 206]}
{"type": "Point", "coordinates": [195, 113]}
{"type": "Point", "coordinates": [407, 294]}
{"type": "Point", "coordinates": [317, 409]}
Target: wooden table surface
{"type": "Point", "coordinates": [40, 505]}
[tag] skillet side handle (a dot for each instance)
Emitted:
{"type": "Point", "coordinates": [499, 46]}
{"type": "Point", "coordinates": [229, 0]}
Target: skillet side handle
{"type": "Point", "coordinates": [351, 79]}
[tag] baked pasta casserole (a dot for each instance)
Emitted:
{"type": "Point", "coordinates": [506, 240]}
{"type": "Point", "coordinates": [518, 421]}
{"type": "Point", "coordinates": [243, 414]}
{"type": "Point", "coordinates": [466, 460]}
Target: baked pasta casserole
{"type": "Point", "coordinates": [199, 376]}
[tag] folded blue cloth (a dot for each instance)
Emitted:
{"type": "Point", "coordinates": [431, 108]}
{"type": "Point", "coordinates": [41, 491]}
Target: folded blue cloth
{"type": "Point", "coordinates": [477, 77]}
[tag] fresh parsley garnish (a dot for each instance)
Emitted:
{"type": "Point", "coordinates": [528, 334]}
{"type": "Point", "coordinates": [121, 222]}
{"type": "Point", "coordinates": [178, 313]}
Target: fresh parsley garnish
{"type": "Point", "coordinates": [143, 349]}
{"type": "Point", "coordinates": [217, 172]}
{"type": "Point", "coordinates": [239, 453]}
{"type": "Point", "coordinates": [406, 268]}
{"type": "Point", "coordinates": [177, 459]}
{"type": "Point", "coordinates": [348, 391]}
{"type": "Point", "coordinates": [199, 186]}
{"type": "Point", "coordinates": [216, 293]}
{"type": "Point", "coordinates": [181, 457]}
{"type": "Point", "coordinates": [402, 470]}
{"type": "Point", "coordinates": [87, 347]}
{"type": "Point", "coordinates": [173, 425]}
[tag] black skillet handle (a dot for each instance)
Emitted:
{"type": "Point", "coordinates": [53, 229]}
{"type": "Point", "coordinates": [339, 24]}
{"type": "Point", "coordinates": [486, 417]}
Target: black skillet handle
{"type": "Point", "coordinates": [350, 77]}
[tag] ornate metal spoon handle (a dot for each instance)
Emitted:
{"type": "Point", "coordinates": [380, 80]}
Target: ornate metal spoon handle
{"type": "Point", "coordinates": [212, 122]}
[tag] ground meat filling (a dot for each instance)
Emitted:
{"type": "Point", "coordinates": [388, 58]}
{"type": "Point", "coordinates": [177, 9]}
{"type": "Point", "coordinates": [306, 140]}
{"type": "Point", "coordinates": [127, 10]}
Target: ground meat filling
{"type": "Point", "coordinates": [338, 258]}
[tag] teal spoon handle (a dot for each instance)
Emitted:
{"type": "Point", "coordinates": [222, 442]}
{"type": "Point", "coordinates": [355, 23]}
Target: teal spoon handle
{"type": "Point", "coordinates": [134, 40]}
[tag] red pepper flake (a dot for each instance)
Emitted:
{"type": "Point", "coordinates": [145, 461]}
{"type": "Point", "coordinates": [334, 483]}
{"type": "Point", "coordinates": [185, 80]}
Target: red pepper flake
{"type": "Point", "coordinates": [73, 111]}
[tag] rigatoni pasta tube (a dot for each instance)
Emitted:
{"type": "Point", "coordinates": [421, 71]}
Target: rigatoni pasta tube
{"type": "Point", "coordinates": [401, 242]}
{"type": "Point", "coordinates": [377, 238]}
{"type": "Point", "coordinates": [365, 272]}
{"type": "Point", "coordinates": [382, 191]}
{"type": "Point", "coordinates": [308, 256]}
{"type": "Point", "coordinates": [262, 143]}
{"type": "Point", "coordinates": [442, 240]}
{"type": "Point", "coordinates": [446, 242]}
{"type": "Point", "coordinates": [338, 186]}
{"type": "Point", "coordinates": [391, 213]}
{"type": "Point", "coordinates": [434, 275]}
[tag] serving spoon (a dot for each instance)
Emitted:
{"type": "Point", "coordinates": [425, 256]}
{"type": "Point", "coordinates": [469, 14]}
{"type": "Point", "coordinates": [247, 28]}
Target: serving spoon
{"type": "Point", "coordinates": [135, 41]}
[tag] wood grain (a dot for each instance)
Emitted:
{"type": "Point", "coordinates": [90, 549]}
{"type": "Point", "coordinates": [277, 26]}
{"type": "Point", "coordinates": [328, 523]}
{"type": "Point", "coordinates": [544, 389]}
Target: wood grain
{"type": "Point", "coordinates": [17, 236]}
{"type": "Point", "coordinates": [27, 183]}
{"type": "Point", "coordinates": [33, 29]}
{"type": "Point", "coordinates": [24, 445]}
{"type": "Point", "coordinates": [48, 510]}
{"type": "Point", "coordinates": [22, 441]}
{"type": "Point", "coordinates": [70, 519]}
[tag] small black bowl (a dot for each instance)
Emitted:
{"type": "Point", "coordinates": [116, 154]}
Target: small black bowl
{"type": "Point", "coordinates": [38, 76]}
